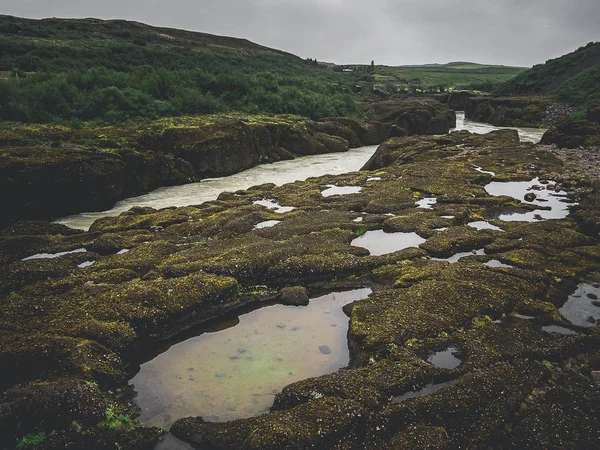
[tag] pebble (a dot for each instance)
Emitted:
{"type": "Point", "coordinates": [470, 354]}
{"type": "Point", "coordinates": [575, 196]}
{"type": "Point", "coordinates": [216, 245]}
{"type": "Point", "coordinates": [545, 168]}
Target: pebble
{"type": "Point", "coordinates": [324, 349]}
{"type": "Point", "coordinates": [241, 350]}
{"type": "Point", "coordinates": [281, 325]}
{"type": "Point", "coordinates": [220, 374]}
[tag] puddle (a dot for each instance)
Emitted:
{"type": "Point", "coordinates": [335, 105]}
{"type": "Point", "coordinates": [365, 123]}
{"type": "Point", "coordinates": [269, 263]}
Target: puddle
{"type": "Point", "coordinates": [556, 329]}
{"type": "Point", "coordinates": [479, 169]}
{"type": "Point", "coordinates": [445, 359]}
{"type": "Point", "coordinates": [459, 256]}
{"type": "Point", "coordinates": [522, 316]}
{"type": "Point", "coordinates": [426, 203]}
{"type": "Point", "coordinates": [448, 217]}
{"type": "Point", "coordinates": [373, 179]}
{"type": "Point", "coordinates": [266, 224]}
{"type": "Point", "coordinates": [234, 369]}
{"type": "Point", "coordinates": [122, 252]}
{"type": "Point", "coordinates": [496, 263]}
{"type": "Point", "coordinates": [427, 390]}
{"type": "Point", "coordinates": [358, 219]}
{"type": "Point", "coordinates": [53, 255]}
{"type": "Point", "coordinates": [272, 204]}
{"type": "Point", "coordinates": [558, 204]}
{"type": "Point", "coordinates": [340, 190]}
{"type": "Point", "coordinates": [483, 225]}
{"type": "Point", "coordinates": [378, 242]}
{"type": "Point", "coordinates": [85, 264]}
{"type": "Point", "coordinates": [582, 307]}
{"type": "Point", "coordinates": [440, 229]}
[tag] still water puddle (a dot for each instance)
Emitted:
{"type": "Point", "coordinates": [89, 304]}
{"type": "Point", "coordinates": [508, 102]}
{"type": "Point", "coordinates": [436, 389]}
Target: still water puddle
{"type": "Point", "coordinates": [555, 206]}
{"type": "Point", "coordinates": [340, 190]}
{"type": "Point", "coordinates": [233, 373]}
{"type": "Point", "coordinates": [272, 204]}
{"type": "Point", "coordinates": [458, 256]}
{"type": "Point", "coordinates": [446, 359]}
{"type": "Point", "coordinates": [488, 172]}
{"type": "Point", "coordinates": [426, 203]}
{"type": "Point", "coordinates": [582, 307]}
{"type": "Point", "coordinates": [427, 390]}
{"type": "Point", "coordinates": [378, 242]}
{"type": "Point", "coordinates": [53, 255]}
{"type": "Point", "coordinates": [266, 224]}
{"type": "Point", "coordinates": [556, 329]}
{"type": "Point", "coordinates": [496, 263]}
{"type": "Point", "coordinates": [483, 225]}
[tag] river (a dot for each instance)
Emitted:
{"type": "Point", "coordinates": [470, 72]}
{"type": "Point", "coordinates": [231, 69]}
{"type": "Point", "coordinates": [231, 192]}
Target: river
{"type": "Point", "coordinates": [279, 173]}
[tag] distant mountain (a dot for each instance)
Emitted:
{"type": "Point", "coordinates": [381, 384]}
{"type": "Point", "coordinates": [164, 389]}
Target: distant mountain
{"type": "Point", "coordinates": [573, 78]}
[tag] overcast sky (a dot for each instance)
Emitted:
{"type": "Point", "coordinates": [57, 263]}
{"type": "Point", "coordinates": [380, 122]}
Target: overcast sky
{"type": "Point", "coordinates": [392, 32]}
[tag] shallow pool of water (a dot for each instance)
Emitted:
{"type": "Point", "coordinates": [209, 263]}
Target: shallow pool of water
{"type": "Point", "coordinates": [426, 203]}
{"type": "Point", "coordinates": [427, 390]}
{"type": "Point", "coordinates": [233, 373]}
{"type": "Point", "coordinates": [446, 359]}
{"type": "Point", "coordinates": [545, 198]}
{"type": "Point", "coordinates": [483, 225]}
{"type": "Point", "coordinates": [340, 190]}
{"type": "Point", "coordinates": [557, 329]}
{"type": "Point", "coordinates": [496, 263]}
{"type": "Point", "coordinates": [53, 255]}
{"type": "Point", "coordinates": [378, 242]}
{"type": "Point", "coordinates": [582, 307]}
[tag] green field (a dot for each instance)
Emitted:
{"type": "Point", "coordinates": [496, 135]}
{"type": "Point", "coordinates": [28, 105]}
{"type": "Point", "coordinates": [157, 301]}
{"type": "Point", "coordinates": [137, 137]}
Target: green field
{"type": "Point", "coordinates": [436, 77]}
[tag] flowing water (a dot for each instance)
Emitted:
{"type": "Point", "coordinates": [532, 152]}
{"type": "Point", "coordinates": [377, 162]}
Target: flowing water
{"type": "Point", "coordinates": [279, 173]}
{"type": "Point", "coordinates": [234, 370]}
{"type": "Point", "coordinates": [195, 193]}
{"type": "Point", "coordinates": [525, 134]}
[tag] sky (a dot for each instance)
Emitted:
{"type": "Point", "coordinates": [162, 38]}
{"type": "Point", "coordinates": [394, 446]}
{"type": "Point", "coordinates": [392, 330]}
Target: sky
{"type": "Point", "coordinates": [390, 32]}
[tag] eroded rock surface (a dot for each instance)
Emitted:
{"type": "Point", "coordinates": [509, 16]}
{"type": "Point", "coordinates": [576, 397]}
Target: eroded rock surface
{"type": "Point", "coordinates": [516, 382]}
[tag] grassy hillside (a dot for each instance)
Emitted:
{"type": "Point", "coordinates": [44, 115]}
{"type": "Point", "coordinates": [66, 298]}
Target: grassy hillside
{"type": "Point", "coordinates": [112, 70]}
{"type": "Point", "coordinates": [75, 70]}
{"type": "Point", "coordinates": [456, 75]}
{"type": "Point", "coordinates": [573, 78]}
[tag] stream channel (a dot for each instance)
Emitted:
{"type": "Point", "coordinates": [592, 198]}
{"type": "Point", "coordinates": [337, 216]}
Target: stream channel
{"type": "Point", "coordinates": [282, 172]}
{"type": "Point", "coordinates": [234, 369]}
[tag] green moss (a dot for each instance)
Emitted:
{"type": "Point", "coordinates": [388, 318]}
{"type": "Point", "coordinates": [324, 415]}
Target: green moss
{"type": "Point", "coordinates": [31, 440]}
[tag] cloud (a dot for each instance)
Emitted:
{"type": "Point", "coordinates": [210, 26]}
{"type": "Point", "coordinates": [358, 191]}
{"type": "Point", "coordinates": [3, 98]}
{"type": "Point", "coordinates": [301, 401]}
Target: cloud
{"type": "Point", "coordinates": [392, 32]}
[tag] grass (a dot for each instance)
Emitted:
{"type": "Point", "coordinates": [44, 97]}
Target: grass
{"type": "Point", "coordinates": [31, 440]}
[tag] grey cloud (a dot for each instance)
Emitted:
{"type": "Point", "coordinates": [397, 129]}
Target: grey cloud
{"type": "Point", "coordinates": [510, 32]}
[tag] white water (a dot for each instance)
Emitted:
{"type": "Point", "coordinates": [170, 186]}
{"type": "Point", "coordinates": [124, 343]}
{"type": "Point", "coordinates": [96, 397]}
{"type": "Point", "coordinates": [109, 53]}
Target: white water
{"type": "Point", "coordinates": [525, 134]}
{"type": "Point", "coordinates": [279, 173]}
{"type": "Point", "coordinates": [195, 193]}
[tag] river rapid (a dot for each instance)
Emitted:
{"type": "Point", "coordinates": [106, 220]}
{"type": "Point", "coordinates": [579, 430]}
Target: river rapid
{"type": "Point", "coordinates": [282, 172]}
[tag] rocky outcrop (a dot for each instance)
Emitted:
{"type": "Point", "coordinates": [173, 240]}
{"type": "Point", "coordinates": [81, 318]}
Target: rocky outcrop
{"type": "Point", "coordinates": [68, 334]}
{"type": "Point", "coordinates": [573, 134]}
{"type": "Point", "coordinates": [507, 112]}
{"type": "Point", "coordinates": [67, 171]}
{"type": "Point", "coordinates": [418, 115]}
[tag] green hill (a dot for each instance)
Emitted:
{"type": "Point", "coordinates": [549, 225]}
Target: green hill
{"type": "Point", "coordinates": [573, 78]}
{"type": "Point", "coordinates": [64, 69]}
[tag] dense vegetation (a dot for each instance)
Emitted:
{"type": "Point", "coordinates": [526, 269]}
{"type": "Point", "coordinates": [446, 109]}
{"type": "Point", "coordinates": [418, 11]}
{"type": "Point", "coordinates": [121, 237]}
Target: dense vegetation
{"type": "Point", "coordinates": [573, 78]}
{"type": "Point", "coordinates": [90, 69]}
{"type": "Point", "coordinates": [80, 70]}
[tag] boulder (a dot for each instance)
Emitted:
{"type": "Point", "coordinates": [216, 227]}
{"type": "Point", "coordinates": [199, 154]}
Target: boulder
{"type": "Point", "coordinates": [295, 295]}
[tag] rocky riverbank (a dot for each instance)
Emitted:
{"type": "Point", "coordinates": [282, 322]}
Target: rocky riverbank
{"type": "Point", "coordinates": [71, 321]}
{"type": "Point", "coordinates": [59, 170]}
